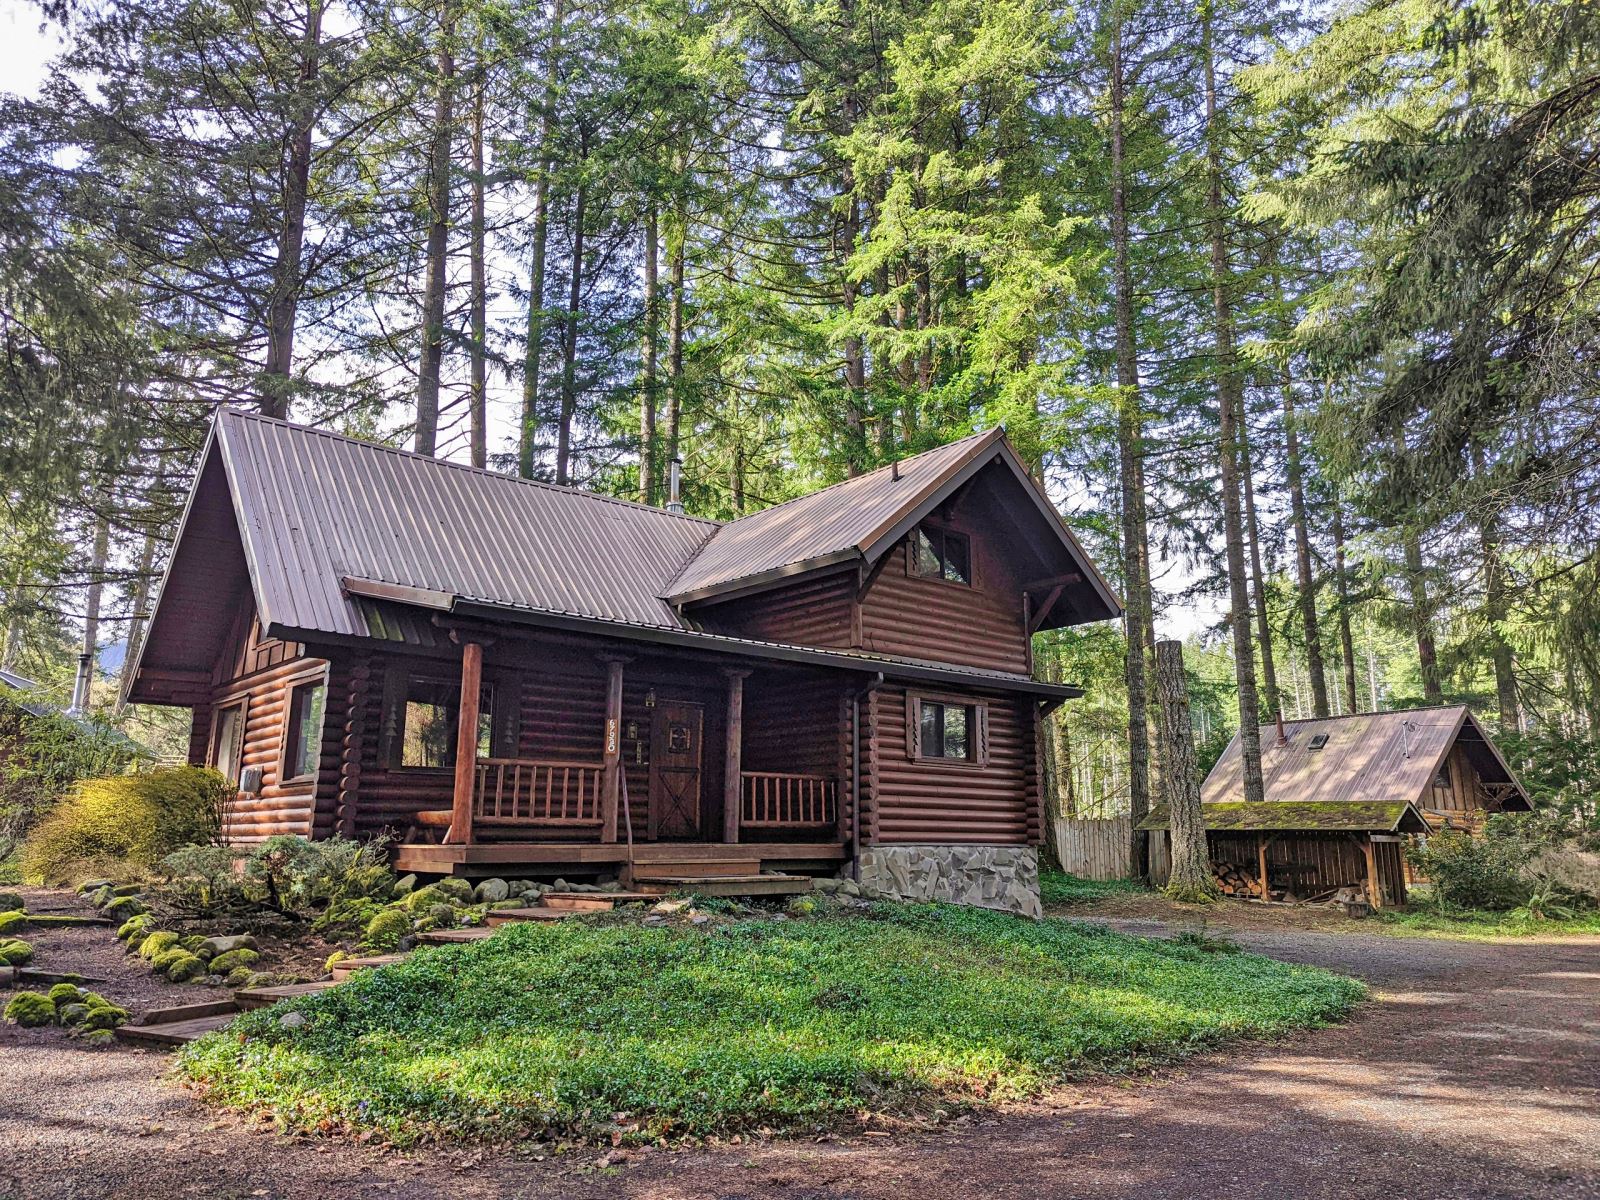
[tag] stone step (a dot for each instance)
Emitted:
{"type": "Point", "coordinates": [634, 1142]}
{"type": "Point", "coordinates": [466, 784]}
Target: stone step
{"type": "Point", "coordinates": [435, 937]}
{"type": "Point", "coordinates": [514, 916]}
{"type": "Point", "coordinates": [174, 1033]}
{"type": "Point", "coordinates": [731, 885]}
{"type": "Point", "coordinates": [347, 967]}
{"type": "Point", "coordinates": [261, 997]}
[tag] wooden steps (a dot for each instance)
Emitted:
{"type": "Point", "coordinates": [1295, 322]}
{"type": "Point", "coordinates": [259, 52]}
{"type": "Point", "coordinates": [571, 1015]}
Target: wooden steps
{"type": "Point", "coordinates": [347, 967]}
{"type": "Point", "coordinates": [175, 1033]}
{"type": "Point", "coordinates": [692, 867]}
{"type": "Point", "coordinates": [262, 997]}
{"type": "Point", "coordinates": [729, 885]}
{"type": "Point", "coordinates": [438, 937]}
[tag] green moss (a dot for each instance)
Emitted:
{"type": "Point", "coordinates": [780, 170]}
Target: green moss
{"type": "Point", "coordinates": [99, 1037]}
{"type": "Point", "coordinates": [14, 952]}
{"type": "Point", "coordinates": [66, 993]}
{"type": "Point", "coordinates": [124, 907]}
{"type": "Point", "coordinates": [439, 916]}
{"type": "Point", "coordinates": [179, 965]}
{"type": "Point", "coordinates": [239, 977]}
{"type": "Point", "coordinates": [230, 961]}
{"type": "Point", "coordinates": [134, 926]}
{"type": "Point", "coordinates": [423, 897]}
{"type": "Point", "coordinates": [11, 902]}
{"type": "Point", "coordinates": [157, 944]}
{"type": "Point", "coordinates": [108, 1016]}
{"type": "Point", "coordinates": [721, 1028]}
{"type": "Point", "coordinates": [194, 944]}
{"type": "Point", "coordinates": [10, 920]}
{"type": "Point", "coordinates": [386, 929]}
{"type": "Point", "coordinates": [31, 1010]}
{"type": "Point", "coordinates": [455, 889]}
{"type": "Point", "coordinates": [72, 1014]}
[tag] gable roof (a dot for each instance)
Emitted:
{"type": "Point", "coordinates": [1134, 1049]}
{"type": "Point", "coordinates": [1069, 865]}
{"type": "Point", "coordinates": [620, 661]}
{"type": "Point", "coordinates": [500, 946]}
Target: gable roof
{"type": "Point", "coordinates": [343, 538]}
{"type": "Point", "coordinates": [1367, 758]}
{"type": "Point", "coordinates": [1334, 816]}
{"type": "Point", "coordinates": [861, 519]}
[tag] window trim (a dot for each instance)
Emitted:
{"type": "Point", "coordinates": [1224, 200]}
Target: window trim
{"type": "Point", "coordinates": [287, 731]}
{"type": "Point", "coordinates": [944, 531]}
{"type": "Point", "coordinates": [978, 759]}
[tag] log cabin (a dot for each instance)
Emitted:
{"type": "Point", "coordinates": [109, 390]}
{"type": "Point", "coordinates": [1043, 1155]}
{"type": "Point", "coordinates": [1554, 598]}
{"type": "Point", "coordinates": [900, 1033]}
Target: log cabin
{"type": "Point", "coordinates": [1343, 795]}
{"type": "Point", "coordinates": [510, 677]}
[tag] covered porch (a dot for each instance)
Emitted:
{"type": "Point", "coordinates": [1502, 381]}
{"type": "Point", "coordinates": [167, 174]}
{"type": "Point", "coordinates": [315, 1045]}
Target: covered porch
{"type": "Point", "coordinates": [572, 759]}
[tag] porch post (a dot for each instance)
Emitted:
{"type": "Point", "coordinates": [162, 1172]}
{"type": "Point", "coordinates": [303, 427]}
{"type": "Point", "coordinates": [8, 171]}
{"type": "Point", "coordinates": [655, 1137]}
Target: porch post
{"type": "Point", "coordinates": [460, 831]}
{"type": "Point", "coordinates": [732, 782]}
{"type": "Point", "coordinates": [1374, 889]}
{"type": "Point", "coordinates": [612, 784]}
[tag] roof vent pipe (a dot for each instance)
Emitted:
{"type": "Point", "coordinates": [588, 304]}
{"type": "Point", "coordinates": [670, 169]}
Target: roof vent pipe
{"type": "Point", "coordinates": [674, 485]}
{"type": "Point", "coordinates": [894, 469]}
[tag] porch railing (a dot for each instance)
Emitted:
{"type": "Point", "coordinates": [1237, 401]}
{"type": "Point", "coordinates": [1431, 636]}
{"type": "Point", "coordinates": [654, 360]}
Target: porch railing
{"type": "Point", "coordinates": [779, 800]}
{"type": "Point", "coordinates": [525, 791]}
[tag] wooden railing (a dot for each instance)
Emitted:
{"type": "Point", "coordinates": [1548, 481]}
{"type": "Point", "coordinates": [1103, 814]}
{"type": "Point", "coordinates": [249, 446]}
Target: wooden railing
{"type": "Point", "coordinates": [525, 791]}
{"type": "Point", "coordinates": [776, 800]}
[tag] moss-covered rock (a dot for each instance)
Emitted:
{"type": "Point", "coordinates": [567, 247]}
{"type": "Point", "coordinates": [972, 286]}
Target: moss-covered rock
{"type": "Point", "coordinates": [804, 906]}
{"type": "Point", "coordinates": [420, 899]}
{"type": "Point", "coordinates": [99, 1037]}
{"type": "Point", "coordinates": [181, 966]}
{"type": "Point", "coordinates": [239, 977]}
{"type": "Point", "coordinates": [66, 993]}
{"type": "Point", "coordinates": [14, 952]}
{"type": "Point", "coordinates": [237, 941]}
{"type": "Point", "coordinates": [222, 964]}
{"type": "Point", "coordinates": [135, 927]}
{"type": "Point", "coordinates": [11, 902]}
{"type": "Point", "coordinates": [157, 944]}
{"type": "Point", "coordinates": [72, 1014]}
{"type": "Point", "coordinates": [102, 896]}
{"type": "Point", "coordinates": [195, 944]}
{"type": "Point", "coordinates": [14, 919]}
{"type": "Point", "coordinates": [439, 916]}
{"type": "Point", "coordinates": [344, 917]}
{"type": "Point", "coordinates": [456, 889]}
{"type": "Point", "coordinates": [94, 885]}
{"type": "Point", "coordinates": [405, 885]}
{"type": "Point", "coordinates": [491, 891]}
{"type": "Point", "coordinates": [108, 1017]}
{"type": "Point", "coordinates": [386, 929]}
{"type": "Point", "coordinates": [31, 1010]}
{"type": "Point", "coordinates": [124, 907]}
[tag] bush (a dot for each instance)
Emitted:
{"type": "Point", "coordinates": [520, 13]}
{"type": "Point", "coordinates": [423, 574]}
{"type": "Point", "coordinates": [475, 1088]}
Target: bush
{"type": "Point", "coordinates": [31, 1010]}
{"type": "Point", "coordinates": [44, 755]}
{"type": "Point", "coordinates": [202, 878]}
{"type": "Point", "coordinates": [295, 873]}
{"type": "Point", "coordinates": [126, 822]}
{"type": "Point", "coordinates": [1487, 872]}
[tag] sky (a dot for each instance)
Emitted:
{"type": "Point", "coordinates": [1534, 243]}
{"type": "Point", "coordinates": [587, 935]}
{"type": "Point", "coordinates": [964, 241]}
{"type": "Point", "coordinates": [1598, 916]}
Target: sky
{"type": "Point", "coordinates": [25, 48]}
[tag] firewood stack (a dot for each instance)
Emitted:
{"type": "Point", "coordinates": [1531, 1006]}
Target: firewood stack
{"type": "Point", "coordinates": [1234, 880]}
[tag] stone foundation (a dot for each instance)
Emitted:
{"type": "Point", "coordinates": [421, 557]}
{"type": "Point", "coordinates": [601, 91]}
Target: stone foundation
{"type": "Point", "coordinates": [1003, 877]}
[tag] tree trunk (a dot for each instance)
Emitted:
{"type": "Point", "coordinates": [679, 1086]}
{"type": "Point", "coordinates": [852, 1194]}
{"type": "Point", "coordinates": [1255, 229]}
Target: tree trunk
{"type": "Point", "coordinates": [1269, 666]}
{"type": "Point", "coordinates": [1295, 472]}
{"type": "Point", "coordinates": [1130, 449]}
{"type": "Point", "coordinates": [139, 613]}
{"type": "Point", "coordinates": [1191, 863]}
{"type": "Point", "coordinates": [83, 686]}
{"type": "Point", "coordinates": [528, 440]}
{"type": "Point", "coordinates": [1494, 608]}
{"type": "Point", "coordinates": [1229, 404]}
{"type": "Point", "coordinates": [648, 451]}
{"type": "Point", "coordinates": [436, 278]}
{"type": "Point", "coordinates": [478, 401]}
{"type": "Point", "coordinates": [1422, 618]}
{"type": "Point", "coordinates": [569, 350]}
{"type": "Point", "coordinates": [675, 270]}
{"type": "Point", "coordinates": [284, 301]}
{"type": "Point", "coordinates": [1341, 578]}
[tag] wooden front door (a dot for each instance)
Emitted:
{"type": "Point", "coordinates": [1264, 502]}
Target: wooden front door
{"type": "Point", "coordinates": [675, 757]}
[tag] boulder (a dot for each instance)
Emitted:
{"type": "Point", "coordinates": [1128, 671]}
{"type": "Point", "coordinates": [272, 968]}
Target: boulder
{"type": "Point", "coordinates": [291, 1020]}
{"type": "Point", "coordinates": [225, 964]}
{"type": "Point", "coordinates": [123, 907]}
{"type": "Point", "coordinates": [405, 885]}
{"type": "Point", "coordinates": [72, 1014]}
{"type": "Point", "coordinates": [491, 891]}
{"type": "Point", "coordinates": [222, 945]}
{"type": "Point", "coordinates": [456, 888]}
{"type": "Point", "coordinates": [11, 902]}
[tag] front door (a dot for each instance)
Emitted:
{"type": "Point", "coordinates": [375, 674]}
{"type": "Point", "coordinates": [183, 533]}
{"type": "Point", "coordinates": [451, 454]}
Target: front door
{"type": "Point", "coordinates": [675, 769]}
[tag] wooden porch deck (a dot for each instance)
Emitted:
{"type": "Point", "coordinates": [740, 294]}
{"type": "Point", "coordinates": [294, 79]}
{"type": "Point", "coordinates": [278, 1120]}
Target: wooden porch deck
{"type": "Point", "coordinates": [541, 858]}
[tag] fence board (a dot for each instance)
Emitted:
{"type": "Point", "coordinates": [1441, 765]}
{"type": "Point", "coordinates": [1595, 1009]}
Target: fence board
{"type": "Point", "coordinates": [1096, 849]}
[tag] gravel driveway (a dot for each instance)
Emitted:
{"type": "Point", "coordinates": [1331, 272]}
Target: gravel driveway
{"type": "Point", "coordinates": [1475, 1073]}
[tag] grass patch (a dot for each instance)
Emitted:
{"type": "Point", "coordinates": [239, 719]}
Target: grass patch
{"type": "Point", "coordinates": [552, 1030]}
{"type": "Point", "coordinates": [1425, 918]}
{"type": "Point", "coordinates": [1058, 887]}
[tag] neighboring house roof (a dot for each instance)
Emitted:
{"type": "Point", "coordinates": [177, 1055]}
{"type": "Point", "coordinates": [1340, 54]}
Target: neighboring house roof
{"type": "Point", "coordinates": [344, 538]}
{"type": "Point", "coordinates": [1335, 816]}
{"type": "Point", "coordinates": [1366, 757]}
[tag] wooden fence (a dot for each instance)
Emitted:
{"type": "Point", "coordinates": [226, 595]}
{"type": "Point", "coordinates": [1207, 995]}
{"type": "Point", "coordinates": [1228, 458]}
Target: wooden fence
{"type": "Point", "coordinates": [1103, 849]}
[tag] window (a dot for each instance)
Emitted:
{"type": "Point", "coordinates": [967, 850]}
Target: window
{"type": "Point", "coordinates": [303, 738]}
{"type": "Point", "coordinates": [941, 554]}
{"type": "Point", "coordinates": [227, 738]}
{"type": "Point", "coordinates": [947, 729]}
{"type": "Point", "coordinates": [427, 712]}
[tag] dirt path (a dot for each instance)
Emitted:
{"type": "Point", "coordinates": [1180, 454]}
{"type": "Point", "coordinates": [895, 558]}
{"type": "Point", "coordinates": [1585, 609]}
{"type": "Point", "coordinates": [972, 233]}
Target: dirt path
{"type": "Point", "coordinates": [1476, 1073]}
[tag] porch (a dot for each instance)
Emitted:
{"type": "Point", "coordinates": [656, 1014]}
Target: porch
{"type": "Point", "coordinates": [692, 770]}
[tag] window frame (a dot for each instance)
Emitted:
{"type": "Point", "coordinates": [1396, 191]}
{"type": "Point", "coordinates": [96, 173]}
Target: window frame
{"type": "Point", "coordinates": [939, 534]}
{"type": "Point", "coordinates": [978, 730]}
{"type": "Point", "coordinates": [240, 705]}
{"type": "Point", "coordinates": [393, 716]}
{"type": "Point", "coordinates": [290, 732]}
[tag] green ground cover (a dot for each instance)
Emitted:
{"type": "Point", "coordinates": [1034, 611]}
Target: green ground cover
{"type": "Point", "coordinates": [1423, 918]}
{"type": "Point", "coordinates": [1058, 887]}
{"type": "Point", "coordinates": [554, 1030]}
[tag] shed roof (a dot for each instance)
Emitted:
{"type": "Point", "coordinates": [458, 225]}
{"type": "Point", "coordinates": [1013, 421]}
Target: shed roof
{"type": "Point", "coordinates": [1327, 816]}
{"type": "Point", "coordinates": [1366, 757]}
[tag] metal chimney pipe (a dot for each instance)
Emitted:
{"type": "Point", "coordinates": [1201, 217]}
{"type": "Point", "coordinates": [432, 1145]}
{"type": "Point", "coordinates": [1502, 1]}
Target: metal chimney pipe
{"type": "Point", "coordinates": [674, 485]}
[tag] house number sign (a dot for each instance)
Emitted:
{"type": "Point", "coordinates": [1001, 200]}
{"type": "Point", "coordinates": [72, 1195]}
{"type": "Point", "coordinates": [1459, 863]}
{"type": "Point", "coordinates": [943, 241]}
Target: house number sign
{"type": "Point", "coordinates": [611, 735]}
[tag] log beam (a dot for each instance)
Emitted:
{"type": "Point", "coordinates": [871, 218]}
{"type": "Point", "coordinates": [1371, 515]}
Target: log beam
{"type": "Point", "coordinates": [611, 784]}
{"type": "Point", "coordinates": [732, 780]}
{"type": "Point", "coordinates": [1374, 890]}
{"type": "Point", "coordinates": [460, 831]}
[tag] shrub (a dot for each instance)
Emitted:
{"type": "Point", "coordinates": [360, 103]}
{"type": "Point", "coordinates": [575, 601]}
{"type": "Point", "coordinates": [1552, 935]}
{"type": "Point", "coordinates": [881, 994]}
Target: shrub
{"type": "Point", "coordinates": [44, 755]}
{"type": "Point", "coordinates": [202, 878]}
{"type": "Point", "coordinates": [1488, 871]}
{"type": "Point", "coordinates": [386, 929]}
{"type": "Point", "coordinates": [126, 822]}
{"type": "Point", "coordinates": [14, 952]}
{"type": "Point", "coordinates": [31, 1010]}
{"type": "Point", "coordinates": [296, 873]}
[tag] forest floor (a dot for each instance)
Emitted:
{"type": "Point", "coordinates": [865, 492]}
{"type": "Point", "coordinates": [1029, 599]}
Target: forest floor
{"type": "Point", "coordinates": [1473, 1073]}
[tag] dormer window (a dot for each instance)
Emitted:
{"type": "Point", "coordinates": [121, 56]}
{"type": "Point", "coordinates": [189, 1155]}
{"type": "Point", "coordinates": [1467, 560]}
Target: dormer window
{"type": "Point", "coordinates": [941, 554]}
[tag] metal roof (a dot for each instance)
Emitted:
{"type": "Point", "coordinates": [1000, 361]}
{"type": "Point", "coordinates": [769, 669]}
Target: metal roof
{"type": "Point", "coordinates": [1326, 816]}
{"type": "Point", "coordinates": [1367, 757]}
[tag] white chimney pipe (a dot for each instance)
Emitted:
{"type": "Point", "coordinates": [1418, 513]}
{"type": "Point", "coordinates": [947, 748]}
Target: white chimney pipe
{"type": "Point", "coordinates": [674, 485]}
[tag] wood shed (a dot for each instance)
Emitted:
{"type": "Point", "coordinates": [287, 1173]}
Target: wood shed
{"type": "Point", "coordinates": [1343, 795]}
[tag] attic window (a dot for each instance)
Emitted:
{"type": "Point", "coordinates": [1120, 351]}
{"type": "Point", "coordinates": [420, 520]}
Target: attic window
{"type": "Point", "coordinates": [941, 554]}
{"type": "Point", "coordinates": [1317, 742]}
